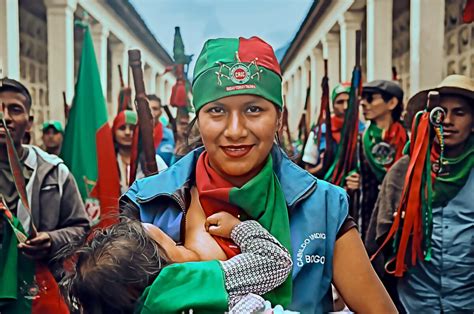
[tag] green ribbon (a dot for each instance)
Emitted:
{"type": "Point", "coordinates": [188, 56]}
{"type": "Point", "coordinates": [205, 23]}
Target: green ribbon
{"type": "Point", "coordinates": [373, 136]}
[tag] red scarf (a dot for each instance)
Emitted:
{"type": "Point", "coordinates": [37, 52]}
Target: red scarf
{"type": "Point", "coordinates": [397, 137]}
{"type": "Point", "coordinates": [336, 127]}
{"type": "Point", "coordinates": [214, 197]}
{"type": "Point", "coordinates": [158, 134]}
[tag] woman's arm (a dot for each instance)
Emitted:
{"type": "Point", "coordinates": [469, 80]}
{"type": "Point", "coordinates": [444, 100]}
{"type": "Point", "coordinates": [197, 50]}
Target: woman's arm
{"type": "Point", "coordinates": [356, 280]}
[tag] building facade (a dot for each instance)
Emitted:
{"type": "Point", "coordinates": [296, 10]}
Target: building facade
{"type": "Point", "coordinates": [423, 40]}
{"type": "Point", "coordinates": [41, 46]}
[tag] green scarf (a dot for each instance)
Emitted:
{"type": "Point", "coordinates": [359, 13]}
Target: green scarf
{"type": "Point", "coordinates": [447, 185]}
{"type": "Point", "coordinates": [395, 136]}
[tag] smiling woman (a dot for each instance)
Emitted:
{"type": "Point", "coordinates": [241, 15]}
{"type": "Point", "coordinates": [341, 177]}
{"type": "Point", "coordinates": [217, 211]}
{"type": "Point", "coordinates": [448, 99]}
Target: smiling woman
{"type": "Point", "coordinates": [241, 171]}
{"type": "Point", "coordinates": [238, 133]}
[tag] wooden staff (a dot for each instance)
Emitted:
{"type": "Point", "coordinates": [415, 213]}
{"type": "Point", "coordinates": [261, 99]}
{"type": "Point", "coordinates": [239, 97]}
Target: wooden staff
{"type": "Point", "coordinates": [66, 106]}
{"type": "Point", "coordinates": [145, 119]}
{"type": "Point", "coordinates": [171, 119]}
{"type": "Point", "coordinates": [120, 75]}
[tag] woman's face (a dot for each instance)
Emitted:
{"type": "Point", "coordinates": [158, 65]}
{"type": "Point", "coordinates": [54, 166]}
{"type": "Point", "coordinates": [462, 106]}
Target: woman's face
{"type": "Point", "coordinates": [238, 133]}
{"type": "Point", "coordinates": [124, 135]}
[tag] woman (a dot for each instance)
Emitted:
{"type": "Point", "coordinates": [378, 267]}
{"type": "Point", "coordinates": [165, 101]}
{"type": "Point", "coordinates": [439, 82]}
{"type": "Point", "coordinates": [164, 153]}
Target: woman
{"type": "Point", "coordinates": [123, 127]}
{"type": "Point", "coordinates": [238, 102]}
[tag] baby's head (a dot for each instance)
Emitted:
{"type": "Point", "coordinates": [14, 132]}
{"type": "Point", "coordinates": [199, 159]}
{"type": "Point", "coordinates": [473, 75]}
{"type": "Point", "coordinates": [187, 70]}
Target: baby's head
{"type": "Point", "coordinates": [113, 267]}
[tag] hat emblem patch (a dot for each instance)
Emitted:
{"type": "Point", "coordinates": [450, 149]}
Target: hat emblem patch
{"type": "Point", "coordinates": [239, 73]}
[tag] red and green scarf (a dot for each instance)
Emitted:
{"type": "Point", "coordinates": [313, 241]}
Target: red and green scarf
{"type": "Point", "coordinates": [260, 199]}
{"type": "Point", "coordinates": [395, 136]}
{"type": "Point", "coordinates": [203, 283]}
{"type": "Point", "coordinates": [26, 286]}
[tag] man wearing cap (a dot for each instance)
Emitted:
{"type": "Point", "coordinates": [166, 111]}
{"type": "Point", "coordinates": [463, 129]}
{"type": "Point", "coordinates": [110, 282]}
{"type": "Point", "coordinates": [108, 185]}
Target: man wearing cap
{"type": "Point", "coordinates": [313, 155]}
{"type": "Point", "coordinates": [57, 210]}
{"type": "Point", "coordinates": [53, 133]}
{"type": "Point", "coordinates": [441, 280]}
{"type": "Point", "coordinates": [382, 142]}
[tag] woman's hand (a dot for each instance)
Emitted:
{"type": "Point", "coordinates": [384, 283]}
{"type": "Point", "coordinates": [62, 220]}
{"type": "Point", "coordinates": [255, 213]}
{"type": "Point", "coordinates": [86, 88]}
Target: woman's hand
{"type": "Point", "coordinates": [221, 224]}
{"type": "Point", "coordinates": [353, 273]}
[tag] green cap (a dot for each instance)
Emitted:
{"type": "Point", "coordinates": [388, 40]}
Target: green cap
{"type": "Point", "coordinates": [236, 66]}
{"type": "Point", "coordinates": [340, 89]}
{"type": "Point", "coordinates": [53, 124]}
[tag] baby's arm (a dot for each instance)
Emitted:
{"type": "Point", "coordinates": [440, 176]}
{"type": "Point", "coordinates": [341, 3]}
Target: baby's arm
{"type": "Point", "coordinates": [264, 263]}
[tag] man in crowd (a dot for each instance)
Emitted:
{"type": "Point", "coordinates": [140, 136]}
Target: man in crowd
{"type": "Point", "coordinates": [314, 152]}
{"type": "Point", "coordinates": [441, 281]}
{"type": "Point", "coordinates": [182, 124]}
{"type": "Point", "coordinates": [382, 142]}
{"type": "Point", "coordinates": [163, 137]}
{"type": "Point", "coordinates": [55, 208]}
{"type": "Point", "coordinates": [53, 134]}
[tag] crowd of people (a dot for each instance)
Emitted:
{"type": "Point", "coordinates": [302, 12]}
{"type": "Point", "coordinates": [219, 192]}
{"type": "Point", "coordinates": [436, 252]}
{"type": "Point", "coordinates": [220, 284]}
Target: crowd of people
{"type": "Point", "coordinates": [230, 223]}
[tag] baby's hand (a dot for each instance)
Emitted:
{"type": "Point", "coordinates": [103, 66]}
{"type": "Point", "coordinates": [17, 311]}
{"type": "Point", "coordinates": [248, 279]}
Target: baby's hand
{"type": "Point", "coordinates": [221, 224]}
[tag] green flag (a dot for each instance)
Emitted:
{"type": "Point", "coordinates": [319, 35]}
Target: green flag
{"type": "Point", "coordinates": [88, 114]}
{"type": "Point", "coordinates": [88, 144]}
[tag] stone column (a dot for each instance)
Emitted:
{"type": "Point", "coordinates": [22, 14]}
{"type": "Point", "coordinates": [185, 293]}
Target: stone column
{"type": "Point", "coordinates": [291, 96]}
{"type": "Point", "coordinates": [60, 19]}
{"type": "Point", "coordinates": [304, 88]}
{"type": "Point", "coordinates": [297, 102]}
{"type": "Point", "coordinates": [331, 53]}
{"type": "Point", "coordinates": [100, 36]}
{"type": "Point", "coordinates": [118, 57]}
{"type": "Point", "coordinates": [158, 84]}
{"type": "Point", "coordinates": [317, 73]}
{"type": "Point", "coordinates": [9, 39]}
{"type": "Point", "coordinates": [426, 44]}
{"type": "Point", "coordinates": [150, 81]}
{"type": "Point", "coordinates": [349, 23]}
{"type": "Point", "coordinates": [379, 39]}
{"type": "Point", "coordinates": [161, 89]}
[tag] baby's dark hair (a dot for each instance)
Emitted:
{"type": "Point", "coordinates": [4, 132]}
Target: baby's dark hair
{"type": "Point", "coordinates": [112, 268]}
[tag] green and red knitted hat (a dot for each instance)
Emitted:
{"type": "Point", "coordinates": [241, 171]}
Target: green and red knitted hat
{"type": "Point", "coordinates": [236, 66]}
{"type": "Point", "coordinates": [344, 87]}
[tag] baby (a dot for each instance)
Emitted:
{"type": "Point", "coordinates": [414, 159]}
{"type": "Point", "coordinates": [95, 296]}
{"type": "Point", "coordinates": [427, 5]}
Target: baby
{"type": "Point", "coordinates": [116, 264]}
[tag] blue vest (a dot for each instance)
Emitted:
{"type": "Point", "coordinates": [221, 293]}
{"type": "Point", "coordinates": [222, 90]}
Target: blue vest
{"type": "Point", "coordinates": [317, 210]}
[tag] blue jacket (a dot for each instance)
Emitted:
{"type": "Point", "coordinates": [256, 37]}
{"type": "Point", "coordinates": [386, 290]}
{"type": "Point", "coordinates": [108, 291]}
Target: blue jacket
{"type": "Point", "coordinates": [317, 210]}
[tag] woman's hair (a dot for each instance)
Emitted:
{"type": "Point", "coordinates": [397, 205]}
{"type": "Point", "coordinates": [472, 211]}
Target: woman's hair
{"type": "Point", "coordinates": [112, 268]}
